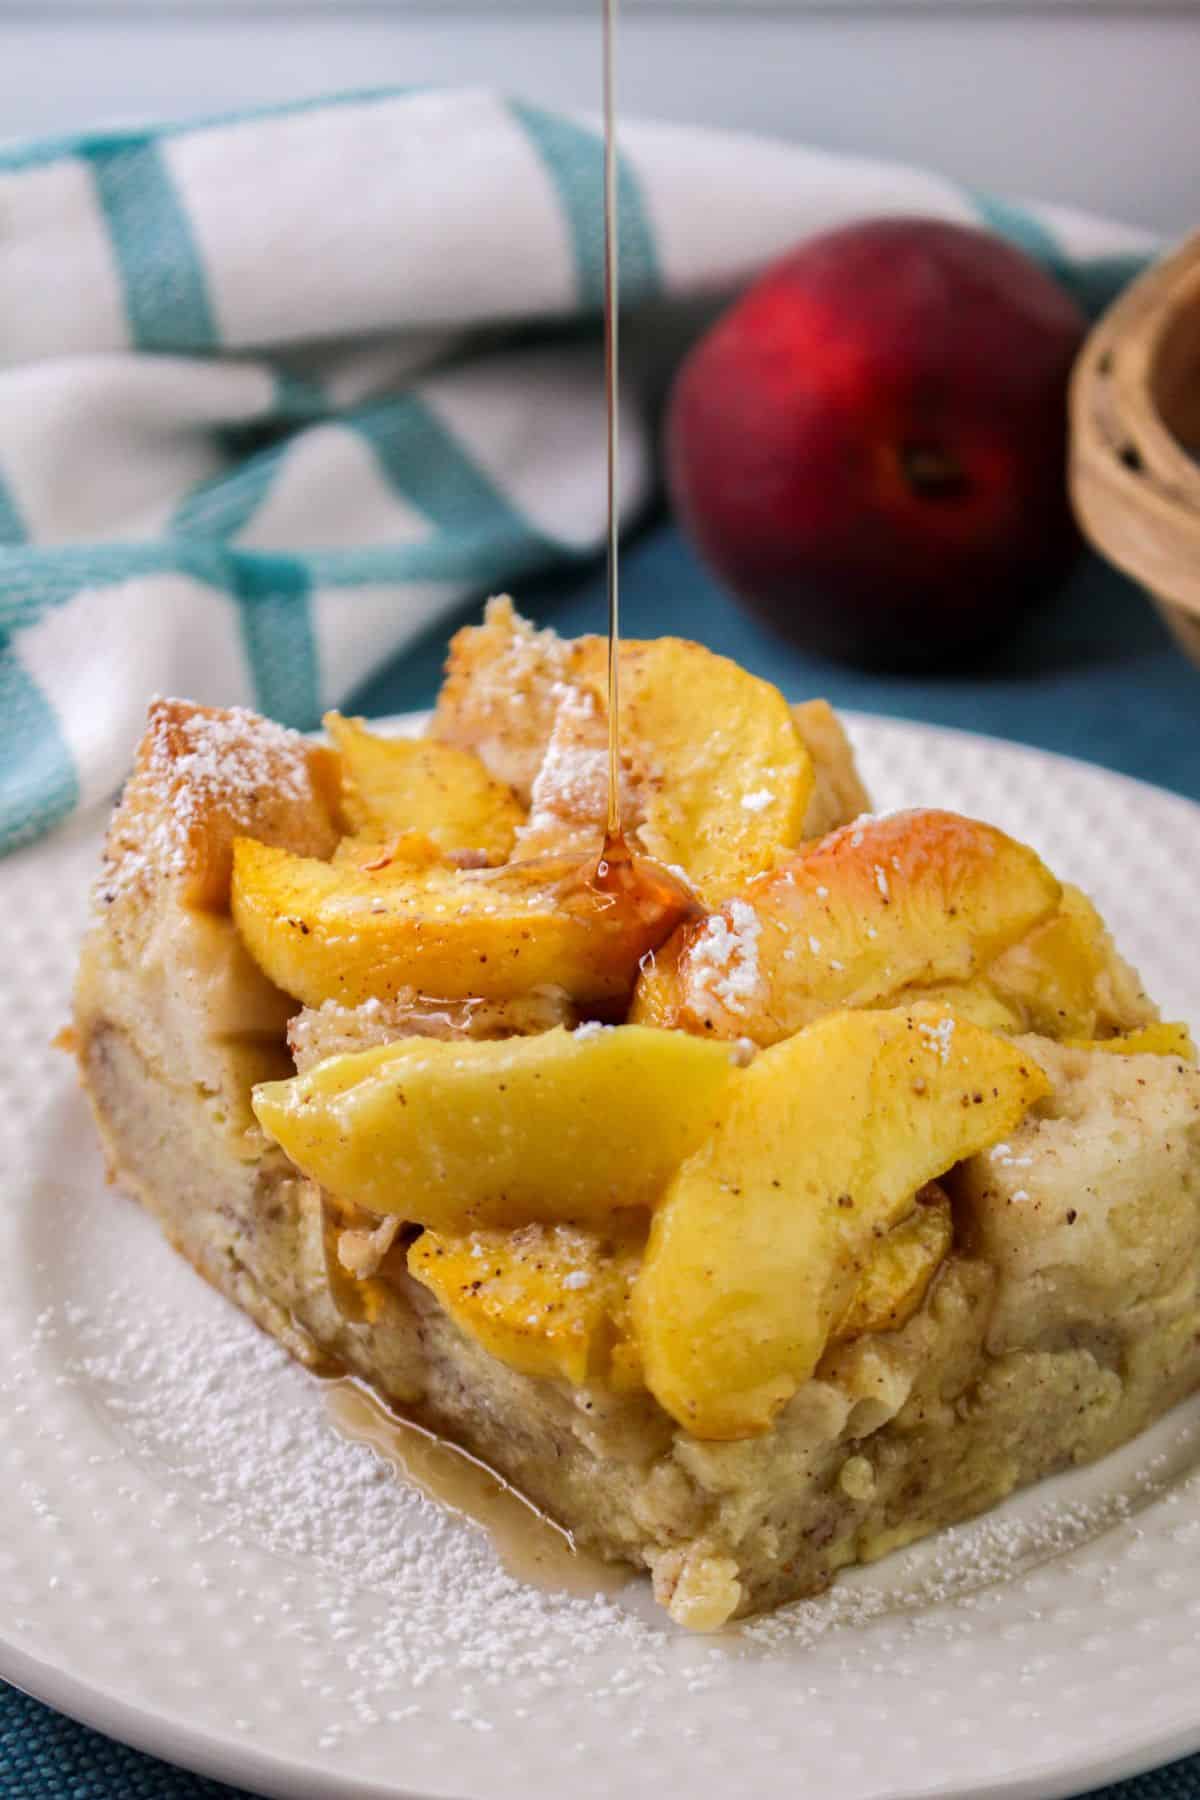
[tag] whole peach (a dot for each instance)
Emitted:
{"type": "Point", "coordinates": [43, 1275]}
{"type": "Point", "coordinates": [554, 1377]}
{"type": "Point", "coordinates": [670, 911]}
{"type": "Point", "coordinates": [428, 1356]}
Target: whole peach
{"type": "Point", "coordinates": [869, 446]}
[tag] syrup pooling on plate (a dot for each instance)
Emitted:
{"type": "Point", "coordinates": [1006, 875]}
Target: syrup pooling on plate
{"type": "Point", "coordinates": [531, 1547]}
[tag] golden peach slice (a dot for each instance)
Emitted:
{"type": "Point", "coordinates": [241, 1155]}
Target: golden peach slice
{"type": "Point", "coordinates": [762, 1238]}
{"type": "Point", "coordinates": [899, 1272]}
{"type": "Point", "coordinates": [334, 932]}
{"type": "Point", "coordinates": [721, 777]}
{"type": "Point", "coordinates": [716, 777]}
{"type": "Point", "coordinates": [412, 849]}
{"type": "Point", "coordinates": [394, 785]}
{"type": "Point", "coordinates": [550, 1300]}
{"type": "Point", "coordinates": [1066, 978]}
{"type": "Point", "coordinates": [1159, 1039]}
{"type": "Point", "coordinates": [565, 1127]}
{"type": "Point", "coordinates": [917, 899]}
{"type": "Point", "coordinates": [554, 1300]}
{"type": "Point", "coordinates": [972, 1000]}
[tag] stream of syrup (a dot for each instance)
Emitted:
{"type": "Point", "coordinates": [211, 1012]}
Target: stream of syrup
{"type": "Point", "coordinates": [625, 880]}
{"type": "Point", "coordinates": [612, 342]}
{"type": "Point", "coordinates": [619, 874]}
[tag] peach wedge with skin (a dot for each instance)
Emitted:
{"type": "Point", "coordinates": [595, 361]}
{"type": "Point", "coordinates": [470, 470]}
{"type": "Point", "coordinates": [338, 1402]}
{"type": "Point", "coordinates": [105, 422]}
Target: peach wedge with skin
{"type": "Point", "coordinates": [717, 777]}
{"type": "Point", "coordinates": [761, 1240]}
{"type": "Point", "coordinates": [393, 785]}
{"type": "Point", "coordinates": [562, 1128]}
{"type": "Point", "coordinates": [878, 908]}
{"type": "Point", "coordinates": [325, 931]}
{"type": "Point", "coordinates": [721, 774]}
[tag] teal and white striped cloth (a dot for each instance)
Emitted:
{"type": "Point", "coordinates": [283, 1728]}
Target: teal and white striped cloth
{"type": "Point", "coordinates": [279, 390]}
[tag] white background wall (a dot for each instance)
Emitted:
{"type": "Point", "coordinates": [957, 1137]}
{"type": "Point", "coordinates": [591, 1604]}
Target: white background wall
{"type": "Point", "coordinates": [1099, 105]}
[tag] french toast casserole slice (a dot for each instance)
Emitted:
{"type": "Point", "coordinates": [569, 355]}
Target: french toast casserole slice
{"type": "Point", "coordinates": [1046, 1312]}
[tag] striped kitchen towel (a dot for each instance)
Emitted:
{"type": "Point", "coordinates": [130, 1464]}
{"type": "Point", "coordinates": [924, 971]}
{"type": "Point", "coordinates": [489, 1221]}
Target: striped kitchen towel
{"type": "Point", "coordinates": [277, 391]}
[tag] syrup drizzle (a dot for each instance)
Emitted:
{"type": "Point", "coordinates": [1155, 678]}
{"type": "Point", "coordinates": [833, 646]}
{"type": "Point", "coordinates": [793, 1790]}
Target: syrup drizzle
{"type": "Point", "coordinates": [613, 836]}
{"type": "Point", "coordinates": [624, 879]}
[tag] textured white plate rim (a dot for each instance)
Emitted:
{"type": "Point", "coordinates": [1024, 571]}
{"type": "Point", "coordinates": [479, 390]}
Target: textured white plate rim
{"type": "Point", "coordinates": [1013, 748]}
{"type": "Point", "coordinates": [170, 1733]}
{"type": "Point", "coordinates": [172, 1738]}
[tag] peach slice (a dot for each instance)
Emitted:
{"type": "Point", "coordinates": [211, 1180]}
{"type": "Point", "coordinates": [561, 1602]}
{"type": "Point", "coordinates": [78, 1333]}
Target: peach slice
{"type": "Point", "coordinates": [878, 908]}
{"type": "Point", "coordinates": [549, 1300]}
{"type": "Point", "coordinates": [565, 1127]}
{"type": "Point", "coordinates": [716, 774]}
{"type": "Point", "coordinates": [413, 849]}
{"type": "Point", "coordinates": [1158, 1039]}
{"type": "Point", "coordinates": [393, 785]}
{"type": "Point", "coordinates": [899, 1272]}
{"type": "Point", "coordinates": [721, 777]}
{"type": "Point", "coordinates": [554, 1300]}
{"type": "Point", "coordinates": [838, 796]}
{"type": "Point", "coordinates": [762, 1238]}
{"type": "Point", "coordinates": [1066, 978]}
{"type": "Point", "coordinates": [334, 932]}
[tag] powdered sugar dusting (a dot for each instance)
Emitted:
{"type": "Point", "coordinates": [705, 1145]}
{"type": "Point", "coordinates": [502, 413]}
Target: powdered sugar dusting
{"type": "Point", "coordinates": [573, 779]}
{"type": "Point", "coordinates": [938, 1038]}
{"type": "Point", "coordinates": [723, 957]}
{"type": "Point", "coordinates": [246, 1444]}
{"type": "Point", "coordinates": [963, 1567]}
{"type": "Point", "coordinates": [246, 1434]}
{"type": "Point", "coordinates": [192, 762]}
{"type": "Point", "coordinates": [591, 1028]}
{"type": "Point", "coordinates": [570, 789]}
{"type": "Point", "coordinates": [1004, 1154]}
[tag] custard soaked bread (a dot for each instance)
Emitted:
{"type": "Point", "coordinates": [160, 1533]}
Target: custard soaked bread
{"type": "Point", "coordinates": [804, 1183]}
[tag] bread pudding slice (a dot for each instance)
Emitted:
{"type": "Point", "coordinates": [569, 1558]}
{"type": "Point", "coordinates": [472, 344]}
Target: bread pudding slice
{"type": "Point", "coordinates": [896, 1255]}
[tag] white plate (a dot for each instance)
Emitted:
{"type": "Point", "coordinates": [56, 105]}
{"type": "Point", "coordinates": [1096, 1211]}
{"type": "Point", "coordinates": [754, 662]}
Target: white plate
{"type": "Point", "coordinates": [192, 1560]}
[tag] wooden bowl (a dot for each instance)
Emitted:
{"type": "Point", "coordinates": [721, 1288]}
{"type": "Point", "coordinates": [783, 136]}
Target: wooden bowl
{"type": "Point", "coordinates": [1135, 438]}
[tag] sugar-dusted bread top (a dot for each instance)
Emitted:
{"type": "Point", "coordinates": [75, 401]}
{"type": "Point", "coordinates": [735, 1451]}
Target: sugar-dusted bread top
{"type": "Point", "coordinates": [504, 683]}
{"type": "Point", "coordinates": [162, 962]}
{"type": "Point", "coordinates": [202, 776]}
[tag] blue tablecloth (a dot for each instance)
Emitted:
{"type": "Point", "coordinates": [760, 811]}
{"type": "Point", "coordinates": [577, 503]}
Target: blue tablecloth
{"type": "Point", "coordinates": [1095, 676]}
